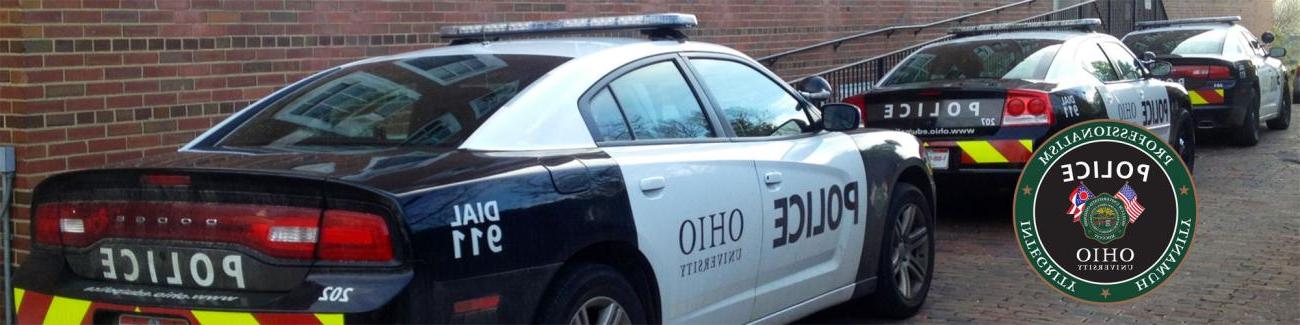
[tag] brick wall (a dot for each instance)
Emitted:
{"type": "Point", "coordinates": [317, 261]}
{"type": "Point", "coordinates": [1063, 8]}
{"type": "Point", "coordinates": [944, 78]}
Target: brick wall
{"type": "Point", "coordinates": [88, 82]}
{"type": "Point", "coordinates": [1256, 15]}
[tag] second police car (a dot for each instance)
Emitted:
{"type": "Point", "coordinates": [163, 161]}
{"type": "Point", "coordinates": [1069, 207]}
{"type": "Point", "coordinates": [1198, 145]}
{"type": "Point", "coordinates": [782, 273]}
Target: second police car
{"type": "Point", "coordinates": [1233, 82]}
{"type": "Point", "coordinates": [563, 180]}
{"type": "Point", "coordinates": [985, 98]}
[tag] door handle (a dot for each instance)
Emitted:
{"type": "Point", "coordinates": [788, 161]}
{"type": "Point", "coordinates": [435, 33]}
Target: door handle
{"type": "Point", "coordinates": [650, 184]}
{"type": "Point", "coordinates": [772, 178]}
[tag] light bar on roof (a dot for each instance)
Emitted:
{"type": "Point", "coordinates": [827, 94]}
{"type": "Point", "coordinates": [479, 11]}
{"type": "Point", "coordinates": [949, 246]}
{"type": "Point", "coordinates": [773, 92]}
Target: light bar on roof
{"type": "Point", "coordinates": [1230, 20]}
{"type": "Point", "coordinates": [648, 21]}
{"type": "Point", "coordinates": [1075, 24]}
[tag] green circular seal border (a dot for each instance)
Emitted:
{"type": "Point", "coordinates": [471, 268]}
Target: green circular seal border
{"type": "Point", "coordinates": [1184, 187]}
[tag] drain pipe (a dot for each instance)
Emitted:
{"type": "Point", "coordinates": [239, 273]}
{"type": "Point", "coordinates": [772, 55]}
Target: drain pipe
{"type": "Point", "coordinates": [7, 173]}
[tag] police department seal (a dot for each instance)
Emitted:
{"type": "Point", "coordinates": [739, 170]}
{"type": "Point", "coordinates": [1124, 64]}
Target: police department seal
{"type": "Point", "coordinates": [1120, 242]}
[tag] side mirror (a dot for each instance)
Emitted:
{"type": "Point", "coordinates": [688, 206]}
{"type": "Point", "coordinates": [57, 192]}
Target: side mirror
{"type": "Point", "coordinates": [815, 89]}
{"type": "Point", "coordinates": [1267, 37]}
{"type": "Point", "coordinates": [840, 117]}
{"type": "Point", "coordinates": [1277, 52]}
{"type": "Point", "coordinates": [1161, 69]}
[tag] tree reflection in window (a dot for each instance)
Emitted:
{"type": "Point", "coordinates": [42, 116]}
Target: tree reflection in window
{"type": "Point", "coordinates": [753, 104]}
{"type": "Point", "coordinates": [658, 104]}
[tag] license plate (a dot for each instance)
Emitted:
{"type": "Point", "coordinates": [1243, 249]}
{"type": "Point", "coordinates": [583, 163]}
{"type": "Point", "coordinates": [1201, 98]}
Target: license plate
{"type": "Point", "coordinates": [174, 267]}
{"type": "Point", "coordinates": [937, 157]}
{"type": "Point", "coordinates": [132, 319]}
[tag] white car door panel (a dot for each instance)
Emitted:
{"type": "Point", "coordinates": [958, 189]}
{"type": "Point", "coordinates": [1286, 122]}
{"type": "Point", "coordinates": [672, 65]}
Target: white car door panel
{"type": "Point", "coordinates": [698, 222]}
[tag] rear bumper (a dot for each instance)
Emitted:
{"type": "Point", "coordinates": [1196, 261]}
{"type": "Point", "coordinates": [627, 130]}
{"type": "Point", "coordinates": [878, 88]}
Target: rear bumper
{"type": "Point", "coordinates": [39, 308]}
{"type": "Point", "coordinates": [981, 156]}
{"type": "Point", "coordinates": [1209, 117]}
{"type": "Point", "coordinates": [506, 297]}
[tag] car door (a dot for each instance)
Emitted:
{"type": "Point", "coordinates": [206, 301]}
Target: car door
{"type": "Point", "coordinates": [694, 196]}
{"type": "Point", "coordinates": [1136, 99]}
{"type": "Point", "coordinates": [812, 185]}
{"type": "Point", "coordinates": [1270, 76]}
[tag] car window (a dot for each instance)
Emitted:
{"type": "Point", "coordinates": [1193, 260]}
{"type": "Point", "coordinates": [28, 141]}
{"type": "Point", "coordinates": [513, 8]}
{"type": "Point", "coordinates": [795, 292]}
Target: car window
{"type": "Point", "coordinates": [1178, 42]}
{"type": "Point", "coordinates": [1096, 63]}
{"type": "Point", "coordinates": [658, 104]}
{"type": "Point", "coordinates": [1125, 62]}
{"type": "Point", "coordinates": [753, 104]}
{"type": "Point", "coordinates": [608, 117]}
{"type": "Point", "coordinates": [1249, 42]}
{"type": "Point", "coordinates": [983, 59]}
{"type": "Point", "coordinates": [417, 101]}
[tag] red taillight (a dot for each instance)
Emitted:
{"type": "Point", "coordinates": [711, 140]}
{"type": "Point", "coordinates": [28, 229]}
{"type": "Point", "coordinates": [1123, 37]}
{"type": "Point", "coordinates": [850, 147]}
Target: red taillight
{"type": "Point", "coordinates": [1027, 107]}
{"type": "Point", "coordinates": [277, 231]}
{"type": "Point", "coordinates": [1201, 72]}
{"type": "Point", "coordinates": [355, 236]}
{"type": "Point", "coordinates": [165, 180]}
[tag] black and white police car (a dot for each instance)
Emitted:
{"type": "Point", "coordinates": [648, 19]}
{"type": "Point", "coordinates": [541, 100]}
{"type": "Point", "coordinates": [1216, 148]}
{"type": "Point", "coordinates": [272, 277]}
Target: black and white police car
{"type": "Point", "coordinates": [1232, 80]}
{"type": "Point", "coordinates": [986, 97]}
{"type": "Point", "coordinates": [555, 180]}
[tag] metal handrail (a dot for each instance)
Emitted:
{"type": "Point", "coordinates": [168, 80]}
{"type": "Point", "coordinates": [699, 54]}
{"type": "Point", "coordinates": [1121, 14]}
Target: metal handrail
{"type": "Point", "coordinates": [1067, 8]}
{"type": "Point", "coordinates": [771, 59]}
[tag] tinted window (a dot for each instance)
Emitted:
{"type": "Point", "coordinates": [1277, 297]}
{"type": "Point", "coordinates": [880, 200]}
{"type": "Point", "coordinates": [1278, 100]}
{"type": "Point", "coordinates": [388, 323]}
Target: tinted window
{"type": "Point", "coordinates": [1124, 61]}
{"type": "Point", "coordinates": [1178, 42]}
{"type": "Point", "coordinates": [1096, 63]}
{"type": "Point", "coordinates": [426, 101]}
{"type": "Point", "coordinates": [608, 117]}
{"type": "Point", "coordinates": [659, 104]}
{"type": "Point", "coordinates": [753, 104]}
{"type": "Point", "coordinates": [988, 59]}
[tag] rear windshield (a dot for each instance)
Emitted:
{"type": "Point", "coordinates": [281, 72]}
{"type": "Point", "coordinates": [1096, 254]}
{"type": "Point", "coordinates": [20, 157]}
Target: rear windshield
{"type": "Point", "coordinates": [988, 59]}
{"type": "Point", "coordinates": [423, 101]}
{"type": "Point", "coordinates": [1178, 42]}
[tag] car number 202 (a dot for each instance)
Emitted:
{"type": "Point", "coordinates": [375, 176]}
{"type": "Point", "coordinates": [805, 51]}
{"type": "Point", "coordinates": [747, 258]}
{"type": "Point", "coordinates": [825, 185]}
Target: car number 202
{"type": "Point", "coordinates": [335, 294]}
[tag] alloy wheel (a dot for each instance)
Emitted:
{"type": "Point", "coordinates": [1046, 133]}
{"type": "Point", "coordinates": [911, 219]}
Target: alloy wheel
{"type": "Point", "coordinates": [600, 310]}
{"type": "Point", "coordinates": [911, 259]}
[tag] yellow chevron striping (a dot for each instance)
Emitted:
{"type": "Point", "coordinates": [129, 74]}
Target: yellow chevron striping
{"type": "Point", "coordinates": [224, 318]}
{"type": "Point", "coordinates": [330, 319]}
{"type": "Point", "coordinates": [66, 311]}
{"type": "Point", "coordinates": [981, 151]}
{"type": "Point", "coordinates": [1219, 91]}
{"type": "Point", "coordinates": [18, 298]}
{"type": "Point", "coordinates": [1196, 98]}
{"type": "Point", "coordinates": [1029, 144]}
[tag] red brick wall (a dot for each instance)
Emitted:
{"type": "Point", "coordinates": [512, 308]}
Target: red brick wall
{"type": "Point", "coordinates": [87, 82]}
{"type": "Point", "coordinates": [1256, 15]}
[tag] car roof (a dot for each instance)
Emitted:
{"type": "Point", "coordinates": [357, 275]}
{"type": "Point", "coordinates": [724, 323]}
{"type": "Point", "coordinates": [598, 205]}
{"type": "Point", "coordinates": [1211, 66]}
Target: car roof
{"type": "Point", "coordinates": [1204, 26]}
{"type": "Point", "coordinates": [1060, 35]}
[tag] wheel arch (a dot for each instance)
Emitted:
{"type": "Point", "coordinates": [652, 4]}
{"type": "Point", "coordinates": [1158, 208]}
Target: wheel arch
{"type": "Point", "coordinates": [628, 260]}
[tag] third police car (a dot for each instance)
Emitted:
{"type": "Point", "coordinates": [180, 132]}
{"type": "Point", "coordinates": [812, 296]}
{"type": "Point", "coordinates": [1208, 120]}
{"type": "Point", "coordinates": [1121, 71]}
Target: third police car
{"type": "Point", "coordinates": [1232, 80]}
{"type": "Point", "coordinates": [560, 180]}
{"type": "Point", "coordinates": [985, 98]}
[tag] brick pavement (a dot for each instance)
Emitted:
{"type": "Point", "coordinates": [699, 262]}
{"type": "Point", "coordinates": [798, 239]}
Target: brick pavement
{"type": "Point", "coordinates": [1244, 264]}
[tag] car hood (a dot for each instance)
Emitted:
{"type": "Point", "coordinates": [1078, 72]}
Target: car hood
{"type": "Point", "coordinates": [395, 170]}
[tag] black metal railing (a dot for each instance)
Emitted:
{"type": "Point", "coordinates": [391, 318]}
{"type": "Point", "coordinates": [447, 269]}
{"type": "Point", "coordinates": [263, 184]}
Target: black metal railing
{"type": "Point", "coordinates": [1118, 18]}
{"type": "Point", "coordinates": [835, 44]}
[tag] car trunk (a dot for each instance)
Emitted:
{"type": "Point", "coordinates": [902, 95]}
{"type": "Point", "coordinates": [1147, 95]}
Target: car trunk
{"type": "Point", "coordinates": [939, 110]}
{"type": "Point", "coordinates": [1209, 81]}
{"type": "Point", "coordinates": [210, 229]}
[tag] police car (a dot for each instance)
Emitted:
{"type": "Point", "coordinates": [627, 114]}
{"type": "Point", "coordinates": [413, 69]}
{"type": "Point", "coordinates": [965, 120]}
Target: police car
{"type": "Point", "coordinates": [985, 98]}
{"type": "Point", "coordinates": [553, 180]}
{"type": "Point", "coordinates": [1232, 80]}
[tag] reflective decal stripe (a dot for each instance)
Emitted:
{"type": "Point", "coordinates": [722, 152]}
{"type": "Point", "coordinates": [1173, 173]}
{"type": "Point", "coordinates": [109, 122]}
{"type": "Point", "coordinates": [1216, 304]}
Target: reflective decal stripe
{"type": "Point", "coordinates": [66, 311]}
{"type": "Point", "coordinates": [990, 151]}
{"type": "Point", "coordinates": [38, 308]}
{"type": "Point", "coordinates": [1206, 96]}
{"type": "Point", "coordinates": [981, 151]}
{"type": "Point", "coordinates": [33, 309]}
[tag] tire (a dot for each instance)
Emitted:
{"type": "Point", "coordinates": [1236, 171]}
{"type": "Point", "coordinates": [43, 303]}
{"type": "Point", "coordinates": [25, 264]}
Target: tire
{"type": "Point", "coordinates": [1185, 142]}
{"type": "Point", "coordinates": [889, 299]}
{"type": "Point", "coordinates": [1283, 119]}
{"type": "Point", "coordinates": [589, 292]}
{"type": "Point", "coordinates": [1248, 134]}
